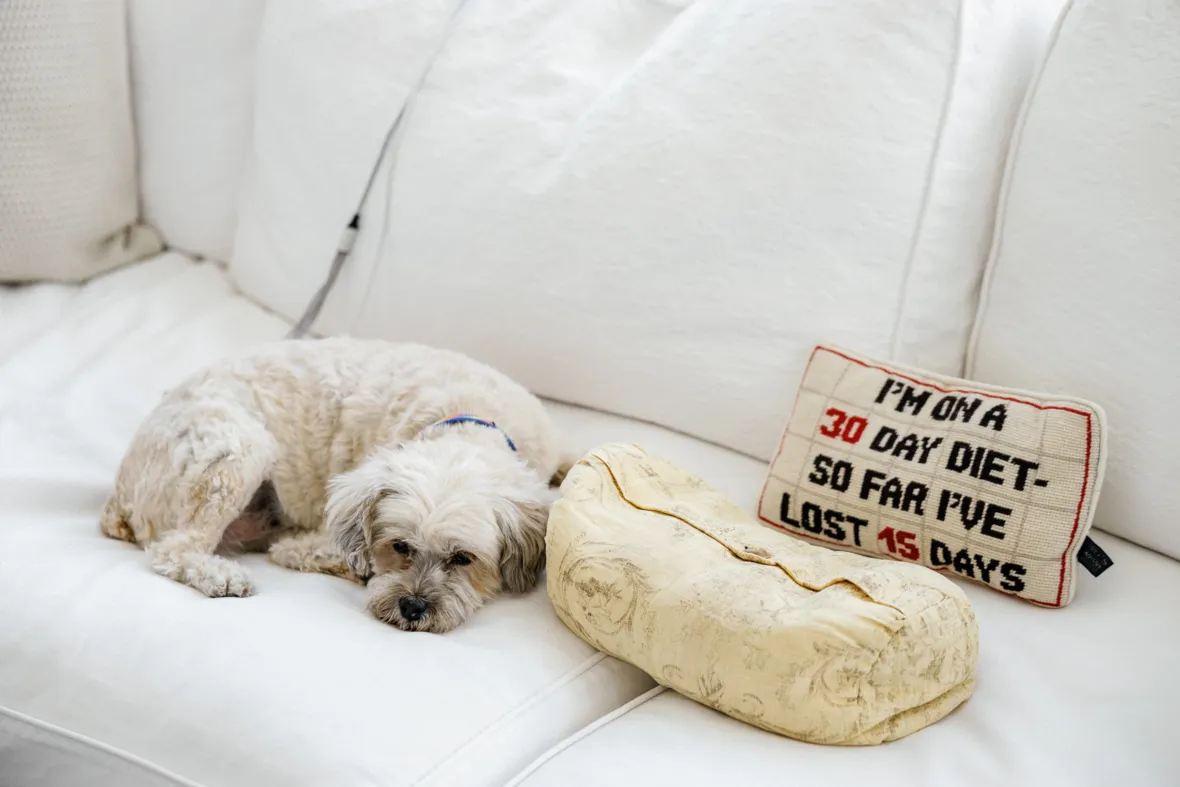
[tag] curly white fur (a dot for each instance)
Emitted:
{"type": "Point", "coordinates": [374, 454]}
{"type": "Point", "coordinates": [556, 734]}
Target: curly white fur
{"type": "Point", "coordinates": [263, 445]}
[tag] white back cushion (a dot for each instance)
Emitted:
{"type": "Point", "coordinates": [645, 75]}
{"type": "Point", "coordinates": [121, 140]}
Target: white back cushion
{"type": "Point", "coordinates": [192, 68]}
{"type": "Point", "coordinates": [68, 198]}
{"type": "Point", "coordinates": [331, 79]}
{"type": "Point", "coordinates": [1083, 287]}
{"type": "Point", "coordinates": [652, 208]}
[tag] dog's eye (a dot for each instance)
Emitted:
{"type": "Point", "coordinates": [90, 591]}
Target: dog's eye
{"type": "Point", "coordinates": [402, 548]}
{"type": "Point", "coordinates": [459, 559]}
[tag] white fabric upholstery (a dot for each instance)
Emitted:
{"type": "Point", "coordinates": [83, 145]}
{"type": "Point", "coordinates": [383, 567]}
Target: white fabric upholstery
{"type": "Point", "coordinates": [1082, 696]}
{"type": "Point", "coordinates": [68, 202]}
{"type": "Point", "coordinates": [331, 78]}
{"type": "Point", "coordinates": [612, 183]}
{"type": "Point", "coordinates": [654, 207]}
{"type": "Point", "coordinates": [192, 74]}
{"type": "Point", "coordinates": [1081, 293]}
{"type": "Point", "coordinates": [35, 753]}
{"type": "Point", "coordinates": [294, 686]}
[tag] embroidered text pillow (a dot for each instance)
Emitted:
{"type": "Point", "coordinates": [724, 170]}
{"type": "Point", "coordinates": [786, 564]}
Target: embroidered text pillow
{"type": "Point", "coordinates": [995, 485]}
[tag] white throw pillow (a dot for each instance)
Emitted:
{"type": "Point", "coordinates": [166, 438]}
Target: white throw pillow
{"type": "Point", "coordinates": [68, 190]}
{"type": "Point", "coordinates": [653, 209]}
{"type": "Point", "coordinates": [192, 68]}
{"type": "Point", "coordinates": [1081, 292]}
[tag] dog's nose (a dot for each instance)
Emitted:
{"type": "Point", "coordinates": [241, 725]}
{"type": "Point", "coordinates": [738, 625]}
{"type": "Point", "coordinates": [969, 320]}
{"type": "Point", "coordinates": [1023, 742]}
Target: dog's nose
{"type": "Point", "coordinates": [412, 607]}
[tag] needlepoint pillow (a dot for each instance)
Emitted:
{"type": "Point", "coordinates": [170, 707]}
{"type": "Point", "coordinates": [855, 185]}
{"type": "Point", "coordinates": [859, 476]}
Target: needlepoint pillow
{"type": "Point", "coordinates": [649, 564]}
{"type": "Point", "coordinates": [991, 484]}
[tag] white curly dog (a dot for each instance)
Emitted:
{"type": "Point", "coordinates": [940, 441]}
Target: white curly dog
{"type": "Point", "coordinates": [418, 470]}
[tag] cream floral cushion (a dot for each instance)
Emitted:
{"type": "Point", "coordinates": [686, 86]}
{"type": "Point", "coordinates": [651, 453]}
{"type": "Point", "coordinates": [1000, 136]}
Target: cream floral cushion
{"type": "Point", "coordinates": [650, 565]}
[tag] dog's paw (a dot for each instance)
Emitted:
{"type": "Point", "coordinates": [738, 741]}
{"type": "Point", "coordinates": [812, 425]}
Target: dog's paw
{"type": "Point", "coordinates": [214, 576]}
{"type": "Point", "coordinates": [230, 582]}
{"type": "Point", "coordinates": [287, 553]}
{"type": "Point", "coordinates": [310, 552]}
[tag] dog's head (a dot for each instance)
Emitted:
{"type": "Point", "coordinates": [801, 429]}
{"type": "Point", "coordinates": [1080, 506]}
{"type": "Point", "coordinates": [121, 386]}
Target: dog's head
{"type": "Point", "coordinates": [439, 526]}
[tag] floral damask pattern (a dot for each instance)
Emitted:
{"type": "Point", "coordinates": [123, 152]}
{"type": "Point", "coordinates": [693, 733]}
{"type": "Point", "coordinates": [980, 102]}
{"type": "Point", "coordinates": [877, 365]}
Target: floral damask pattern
{"type": "Point", "coordinates": [649, 564]}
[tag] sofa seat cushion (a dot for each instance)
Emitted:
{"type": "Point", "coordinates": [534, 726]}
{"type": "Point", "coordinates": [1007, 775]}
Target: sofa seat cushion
{"type": "Point", "coordinates": [1081, 696]}
{"type": "Point", "coordinates": [108, 671]}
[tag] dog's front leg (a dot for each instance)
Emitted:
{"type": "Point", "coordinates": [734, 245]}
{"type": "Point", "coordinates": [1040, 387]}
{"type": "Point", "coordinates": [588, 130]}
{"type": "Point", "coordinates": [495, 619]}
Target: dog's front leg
{"type": "Point", "coordinates": [311, 552]}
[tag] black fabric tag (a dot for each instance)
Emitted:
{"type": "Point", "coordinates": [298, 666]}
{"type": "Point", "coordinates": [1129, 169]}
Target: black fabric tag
{"type": "Point", "coordinates": [1093, 558]}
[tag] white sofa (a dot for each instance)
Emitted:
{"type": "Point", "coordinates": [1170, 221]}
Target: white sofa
{"type": "Point", "coordinates": [649, 210]}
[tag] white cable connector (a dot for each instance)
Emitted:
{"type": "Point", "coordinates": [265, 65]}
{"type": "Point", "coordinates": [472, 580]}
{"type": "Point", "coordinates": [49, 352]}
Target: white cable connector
{"type": "Point", "coordinates": [348, 237]}
{"type": "Point", "coordinates": [343, 248]}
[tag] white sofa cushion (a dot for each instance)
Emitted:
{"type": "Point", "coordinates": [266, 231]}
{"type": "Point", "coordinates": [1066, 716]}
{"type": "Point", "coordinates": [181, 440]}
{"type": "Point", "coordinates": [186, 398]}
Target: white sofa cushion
{"type": "Point", "coordinates": [654, 209]}
{"type": "Point", "coordinates": [330, 80]}
{"type": "Point", "coordinates": [68, 198]}
{"type": "Point", "coordinates": [1081, 293]}
{"type": "Point", "coordinates": [192, 74]}
{"type": "Point", "coordinates": [297, 685]}
{"type": "Point", "coordinates": [1081, 696]}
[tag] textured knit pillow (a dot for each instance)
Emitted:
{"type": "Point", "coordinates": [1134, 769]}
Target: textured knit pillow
{"type": "Point", "coordinates": [992, 484]}
{"type": "Point", "coordinates": [650, 565]}
{"type": "Point", "coordinates": [68, 189]}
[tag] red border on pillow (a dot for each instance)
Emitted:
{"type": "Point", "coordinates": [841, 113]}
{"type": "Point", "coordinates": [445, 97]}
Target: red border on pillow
{"type": "Point", "coordinates": [975, 392]}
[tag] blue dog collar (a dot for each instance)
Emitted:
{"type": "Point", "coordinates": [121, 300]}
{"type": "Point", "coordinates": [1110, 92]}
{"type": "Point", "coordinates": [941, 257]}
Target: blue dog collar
{"type": "Point", "coordinates": [471, 419]}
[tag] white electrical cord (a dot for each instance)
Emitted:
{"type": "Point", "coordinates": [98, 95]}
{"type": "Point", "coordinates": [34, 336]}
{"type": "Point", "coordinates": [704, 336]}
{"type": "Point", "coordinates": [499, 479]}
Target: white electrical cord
{"type": "Point", "coordinates": [348, 237]}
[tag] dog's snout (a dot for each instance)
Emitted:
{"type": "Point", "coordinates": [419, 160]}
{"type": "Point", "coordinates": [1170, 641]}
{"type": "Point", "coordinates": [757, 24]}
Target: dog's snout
{"type": "Point", "coordinates": [413, 607]}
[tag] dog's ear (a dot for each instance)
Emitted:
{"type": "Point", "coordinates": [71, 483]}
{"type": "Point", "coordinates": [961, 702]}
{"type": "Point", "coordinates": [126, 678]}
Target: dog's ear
{"type": "Point", "coordinates": [522, 529]}
{"type": "Point", "coordinates": [348, 516]}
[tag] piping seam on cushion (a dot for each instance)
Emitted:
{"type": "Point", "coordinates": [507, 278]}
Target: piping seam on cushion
{"type": "Point", "coordinates": [735, 553]}
{"type": "Point", "coordinates": [585, 732]}
{"type": "Point", "coordinates": [513, 712]}
{"type": "Point", "coordinates": [928, 184]}
{"type": "Point", "coordinates": [1001, 215]}
{"type": "Point", "coordinates": [91, 744]}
